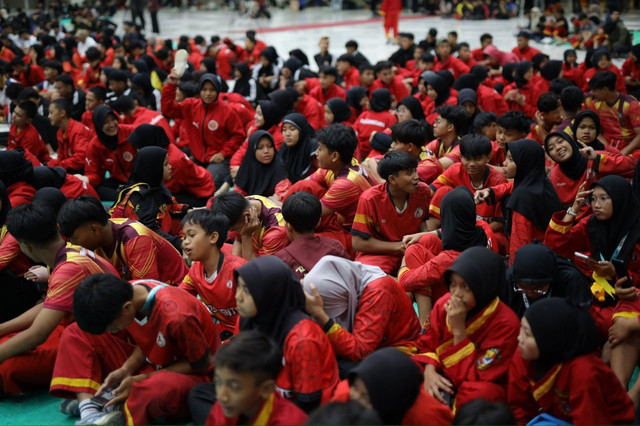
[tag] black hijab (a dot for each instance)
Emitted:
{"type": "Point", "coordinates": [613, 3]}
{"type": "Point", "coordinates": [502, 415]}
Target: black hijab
{"type": "Point", "coordinates": [148, 135]}
{"type": "Point", "coordinates": [278, 296]}
{"type": "Point", "coordinates": [148, 166]}
{"type": "Point", "coordinates": [551, 69]}
{"type": "Point", "coordinates": [480, 72]}
{"type": "Point", "coordinates": [605, 235]}
{"type": "Point", "coordinates": [5, 206]}
{"type": "Point", "coordinates": [380, 100]}
{"type": "Point", "coordinates": [340, 109]}
{"type": "Point", "coordinates": [143, 82]}
{"type": "Point", "coordinates": [50, 197]}
{"type": "Point", "coordinates": [271, 113]}
{"type": "Point", "coordinates": [100, 114]}
{"type": "Point", "coordinates": [413, 105]}
{"type": "Point", "coordinates": [440, 86]}
{"type": "Point", "coordinates": [459, 230]}
{"type": "Point", "coordinates": [355, 95]}
{"type": "Point", "coordinates": [466, 81]}
{"type": "Point", "coordinates": [284, 100]}
{"type": "Point", "coordinates": [521, 69]}
{"type": "Point", "coordinates": [508, 71]}
{"type": "Point", "coordinates": [533, 195]}
{"type": "Point", "coordinates": [44, 177]}
{"type": "Point", "coordinates": [297, 159]}
{"type": "Point", "coordinates": [213, 79]}
{"type": "Point", "coordinates": [596, 144]}
{"type": "Point", "coordinates": [210, 65]}
{"type": "Point", "coordinates": [567, 53]}
{"type": "Point", "coordinates": [242, 85]}
{"type": "Point", "coordinates": [393, 382]}
{"type": "Point", "coordinates": [256, 178]}
{"type": "Point", "coordinates": [562, 332]}
{"type": "Point", "coordinates": [576, 165]}
{"type": "Point", "coordinates": [537, 60]}
{"type": "Point", "coordinates": [15, 168]}
{"type": "Point", "coordinates": [483, 271]}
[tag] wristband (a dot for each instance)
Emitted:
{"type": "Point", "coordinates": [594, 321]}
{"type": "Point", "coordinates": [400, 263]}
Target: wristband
{"type": "Point", "coordinates": [328, 325]}
{"type": "Point", "coordinates": [570, 212]}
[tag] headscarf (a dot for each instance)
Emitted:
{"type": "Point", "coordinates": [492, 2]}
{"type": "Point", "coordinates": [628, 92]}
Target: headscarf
{"type": "Point", "coordinates": [562, 332]}
{"type": "Point", "coordinates": [576, 165]}
{"type": "Point", "coordinates": [50, 197]}
{"type": "Point", "coordinates": [284, 100]}
{"type": "Point", "coordinates": [256, 178]}
{"type": "Point", "coordinates": [413, 105]}
{"type": "Point", "coordinates": [141, 66]}
{"type": "Point", "coordinates": [277, 294]}
{"type": "Point", "coordinates": [148, 166]}
{"type": "Point", "coordinates": [143, 82]}
{"type": "Point", "coordinates": [293, 64]}
{"type": "Point", "coordinates": [606, 235]}
{"type": "Point", "coordinates": [521, 69]}
{"type": "Point", "coordinates": [551, 69]}
{"type": "Point", "coordinates": [341, 282]}
{"type": "Point", "coordinates": [635, 49]}
{"type": "Point", "coordinates": [480, 72]}
{"type": "Point", "coordinates": [483, 271]}
{"type": "Point", "coordinates": [596, 144]}
{"type": "Point", "coordinates": [242, 85]}
{"type": "Point", "coordinates": [214, 79]}
{"type": "Point", "coordinates": [270, 54]}
{"type": "Point", "coordinates": [500, 56]}
{"type": "Point", "coordinates": [6, 204]}
{"type": "Point", "coordinates": [440, 86]}
{"type": "Point", "coordinates": [537, 60]}
{"type": "Point", "coordinates": [44, 177]}
{"type": "Point", "coordinates": [393, 382]}
{"type": "Point", "coordinates": [340, 109]}
{"type": "Point", "coordinates": [271, 113]}
{"type": "Point", "coordinates": [14, 168]}
{"type": "Point", "coordinates": [567, 53]}
{"type": "Point", "coordinates": [210, 65]}
{"type": "Point", "coordinates": [355, 95]}
{"type": "Point", "coordinates": [148, 135]}
{"type": "Point", "coordinates": [467, 95]}
{"type": "Point", "coordinates": [466, 81]}
{"type": "Point", "coordinates": [533, 194]}
{"type": "Point", "coordinates": [598, 54]}
{"type": "Point", "coordinates": [508, 71]}
{"type": "Point", "coordinates": [297, 159]}
{"type": "Point", "coordinates": [380, 100]}
{"type": "Point", "coordinates": [100, 114]}
{"type": "Point", "coordinates": [458, 212]}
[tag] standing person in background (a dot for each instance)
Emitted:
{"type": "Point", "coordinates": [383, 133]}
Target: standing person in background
{"type": "Point", "coordinates": [390, 10]}
{"type": "Point", "coordinates": [154, 6]}
{"type": "Point", "coordinates": [137, 11]}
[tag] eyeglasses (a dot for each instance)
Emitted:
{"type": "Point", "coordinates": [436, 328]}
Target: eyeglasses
{"type": "Point", "coordinates": [530, 290]}
{"type": "Point", "coordinates": [602, 200]}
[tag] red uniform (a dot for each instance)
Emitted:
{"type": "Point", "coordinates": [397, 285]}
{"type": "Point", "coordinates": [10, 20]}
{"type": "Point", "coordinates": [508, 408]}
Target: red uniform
{"type": "Point", "coordinates": [252, 56]}
{"type": "Point", "coordinates": [525, 54]}
{"type": "Point", "coordinates": [631, 68]}
{"type": "Point", "coordinates": [377, 217]}
{"type": "Point", "coordinates": [477, 366]}
{"type": "Point", "coordinates": [581, 391]}
{"type": "Point", "coordinates": [118, 163]}
{"type": "Point", "coordinates": [351, 78]}
{"type": "Point", "coordinates": [72, 147]}
{"type": "Point", "coordinates": [275, 410]}
{"type": "Point", "coordinates": [179, 329]}
{"type": "Point", "coordinates": [531, 92]}
{"type": "Point", "coordinates": [89, 78]}
{"type": "Point", "coordinates": [218, 292]}
{"type": "Point", "coordinates": [429, 168]}
{"type": "Point", "coordinates": [225, 60]}
{"type": "Point", "coordinates": [489, 100]}
{"type": "Point", "coordinates": [213, 128]}
{"type": "Point", "coordinates": [20, 193]}
{"type": "Point", "coordinates": [305, 251]}
{"type": "Point", "coordinates": [30, 139]}
{"type": "Point", "coordinates": [385, 318]}
{"type": "Point", "coordinates": [573, 74]}
{"type": "Point", "coordinates": [312, 110]}
{"type": "Point", "coordinates": [187, 176]}
{"type": "Point", "coordinates": [32, 76]}
{"type": "Point", "coordinates": [437, 147]}
{"type": "Point", "coordinates": [322, 96]}
{"type": "Point", "coordinates": [34, 368]}
{"type": "Point", "coordinates": [369, 122]}
{"type": "Point", "coordinates": [590, 72]}
{"type": "Point", "coordinates": [10, 254]}
{"type": "Point", "coordinates": [87, 120]}
{"type": "Point", "coordinates": [619, 120]}
{"type": "Point", "coordinates": [144, 115]}
{"type": "Point", "coordinates": [454, 65]}
{"type": "Point", "coordinates": [397, 88]}
{"type": "Point", "coordinates": [74, 187]}
{"type": "Point", "coordinates": [271, 236]}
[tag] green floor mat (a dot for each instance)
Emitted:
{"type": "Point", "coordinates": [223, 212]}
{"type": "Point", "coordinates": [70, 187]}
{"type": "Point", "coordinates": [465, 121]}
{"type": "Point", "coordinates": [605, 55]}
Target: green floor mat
{"type": "Point", "coordinates": [36, 408]}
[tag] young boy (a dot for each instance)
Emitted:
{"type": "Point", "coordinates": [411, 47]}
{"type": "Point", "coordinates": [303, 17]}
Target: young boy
{"type": "Point", "coordinates": [133, 249]}
{"type": "Point", "coordinates": [389, 211]}
{"type": "Point", "coordinates": [256, 220]}
{"type": "Point", "coordinates": [349, 73]}
{"type": "Point", "coordinates": [512, 126]}
{"type": "Point", "coordinates": [95, 96]}
{"type": "Point", "coordinates": [523, 51]}
{"type": "Point", "coordinates": [245, 383]}
{"type": "Point", "coordinates": [174, 342]}
{"type": "Point", "coordinates": [451, 121]}
{"type": "Point", "coordinates": [23, 134]}
{"type": "Point", "coordinates": [549, 116]}
{"type": "Point", "coordinates": [302, 212]}
{"type": "Point", "coordinates": [486, 124]}
{"type": "Point", "coordinates": [386, 80]}
{"type": "Point", "coordinates": [29, 343]}
{"type": "Point", "coordinates": [327, 88]}
{"type": "Point", "coordinates": [73, 138]}
{"type": "Point", "coordinates": [448, 62]}
{"type": "Point", "coordinates": [367, 76]}
{"type": "Point", "coordinates": [211, 275]}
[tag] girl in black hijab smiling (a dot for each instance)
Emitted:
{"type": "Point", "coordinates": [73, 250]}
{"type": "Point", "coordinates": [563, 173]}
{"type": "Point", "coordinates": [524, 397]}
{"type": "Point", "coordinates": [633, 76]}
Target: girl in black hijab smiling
{"type": "Point", "coordinates": [147, 200]}
{"type": "Point", "coordinates": [557, 370]}
{"type": "Point", "coordinates": [472, 335]}
{"type": "Point", "coordinates": [262, 171]}
{"type": "Point", "coordinates": [271, 300]}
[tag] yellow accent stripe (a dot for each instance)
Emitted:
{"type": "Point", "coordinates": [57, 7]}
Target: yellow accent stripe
{"type": "Point", "coordinates": [431, 355]}
{"type": "Point", "coordinates": [462, 353]}
{"type": "Point", "coordinates": [407, 350]}
{"type": "Point", "coordinates": [334, 328]}
{"type": "Point", "coordinates": [444, 180]}
{"type": "Point", "coordinates": [361, 218]}
{"type": "Point", "coordinates": [563, 229]}
{"type": "Point", "coordinates": [475, 324]}
{"type": "Point", "coordinates": [546, 386]}
{"type": "Point", "coordinates": [402, 271]}
{"type": "Point", "coordinates": [128, 415]}
{"type": "Point", "coordinates": [75, 383]}
{"type": "Point", "coordinates": [265, 413]}
{"type": "Point", "coordinates": [434, 208]}
{"type": "Point", "coordinates": [625, 315]}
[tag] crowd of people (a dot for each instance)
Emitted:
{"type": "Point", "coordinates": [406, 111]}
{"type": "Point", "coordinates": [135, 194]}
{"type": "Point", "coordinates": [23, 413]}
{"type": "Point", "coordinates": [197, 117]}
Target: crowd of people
{"type": "Point", "coordinates": [220, 234]}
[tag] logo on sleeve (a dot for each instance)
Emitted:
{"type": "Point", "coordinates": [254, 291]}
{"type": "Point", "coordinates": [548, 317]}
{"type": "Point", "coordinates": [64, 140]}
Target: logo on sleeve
{"type": "Point", "coordinates": [212, 125]}
{"type": "Point", "coordinates": [488, 358]}
{"type": "Point", "coordinates": [160, 341]}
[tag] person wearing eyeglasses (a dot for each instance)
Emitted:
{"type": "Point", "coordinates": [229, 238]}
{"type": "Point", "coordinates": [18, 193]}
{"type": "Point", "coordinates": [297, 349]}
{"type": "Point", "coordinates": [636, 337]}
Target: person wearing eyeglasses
{"type": "Point", "coordinates": [538, 273]}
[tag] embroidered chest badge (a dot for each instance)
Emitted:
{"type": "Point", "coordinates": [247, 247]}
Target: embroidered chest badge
{"type": "Point", "coordinates": [488, 358]}
{"type": "Point", "coordinates": [418, 212]}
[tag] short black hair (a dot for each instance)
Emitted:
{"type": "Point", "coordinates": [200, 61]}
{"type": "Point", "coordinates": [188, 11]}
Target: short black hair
{"type": "Point", "coordinates": [329, 70]}
{"type": "Point", "coordinates": [98, 300]}
{"type": "Point", "coordinates": [514, 120]}
{"type": "Point", "coordinates": [66, 80]}
{"type": "Point", "coordinates": [427, 57]}
{"type": "Point", "coordinates": [345, 57]}
{"type": "Point", "coordinates": [474, 146]}
{"type": "Point", "coordinates": [394, 162]}
{"type": "Point", "coordinates": [572, 98]}
{"type": "Point", "coordinates": [239, 355]}
{"type": "Point", "coordinates": [231, 205]}
{"type": "Point", "coordinates": [189, 88]}
{"type": "Point", "coordinates": [92, 54]}
{"type": "Point", "coordinates": [28, 93]}
{"type": "Point", "coordinates": [29, 108]}
{"type": "Point", "coordinates": [481, 412]}
{"type": "Point", "coordinates": [210, 222]}
{"type": "Point", "coordinates": [486, 36]}
{"type": "Point", "coordinates": [99, 92]}
{"type": "Point", "coordinates": [302, 210]}
{"type": "Point", "coordinates": [453, 33]}
{"type": "Point", "coordinates": [412, 131]}
{"type": "Point", "coordinates": [62, 104]}
{"type": "Point", "coordinates": [351, 43]}
{"type": "Point", "coordinates": [558, 84]}
{"type": "Point", "coordinates": [382, 65]}
{"type": "Point", "coordinates": [483, 119]}
{"type": "Point", "coordinates": [339, 138]}
{"type": "Point", "coordinates": [548, 102]}
{"type": "Point", "coordinates": [603, 80]}
{"type": "Point", "coordinates": [455, 115]}
{"type": "Point", "coordinates": [463, 44]}
{"type": "Point", "coordinates": [13, 90]}
{"type": "Point", "coordinates": [344, 413]}
{"type": "Point", "coordinates": [365, 67]}
{"type": "Point", "coordinates": [79, 211]}
{"type": "Point", "coordinates": [33, 223]}
{"type": "Point", "coordinates": [56, 65]}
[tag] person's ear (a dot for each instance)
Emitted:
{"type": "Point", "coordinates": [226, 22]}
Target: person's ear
{"type": "Point", "coordinates": [96, 229]}
{"type": "Point", "coordinates": [266, 388]}
{"type": "Point", "coordinates": [213, 238]}
{"type": "Point", "coordinates": [392, 179]}
{"type": "Point", "coordinates": [334, 156]}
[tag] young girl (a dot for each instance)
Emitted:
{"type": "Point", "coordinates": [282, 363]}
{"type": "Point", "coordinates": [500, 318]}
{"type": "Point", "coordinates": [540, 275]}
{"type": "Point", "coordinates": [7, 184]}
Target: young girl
{"type": "Point", "coordinates": [336, 110]}
{"type": "Point", "coordinates": [262, 172]}
{"type": "Point", "coordinates": [524, 96]}
{"type": "Point", "coordinates": [556, 370]}
{"type": "Point", "coordinates": [358, 101]}
{"type": "Point", "coordinates": [571, 69]}
{"type": "Point", "coordinates": [439, 93]}
{"type": "Point", "coordinates": [472, 335]}
{"type": "Point", "coordinates": [299, 147]}
{"type": "Point", "coordinates": [587, 131]}
{"type": "Point", "coordinates": [271, 300]}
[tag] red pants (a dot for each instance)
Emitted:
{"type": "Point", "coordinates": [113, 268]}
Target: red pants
{"type": "Point", "coordinates": [470, 391]}
{"type": "Point", "coordinates": [391, 22]}
{"type": "Point", "coordinates": [389, 263]}
{"type": "Point", "coordinates": [85, 360]}
{"type": "Point", "coordinates": [30, 370]}
{"type": "Point", "coordinates": [416, 257]}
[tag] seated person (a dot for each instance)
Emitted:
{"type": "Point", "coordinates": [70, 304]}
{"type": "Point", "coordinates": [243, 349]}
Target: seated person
{"type": "Point", "coordinates": [360, 308]}
{"type": "Point", "coordinates": [259, 402]}
{"type": "Point", "coordinates": [211, 275]}
{"type": "Point", "coordinates": [451, 121]}
{"type": "Point", "coordinates": [133, 249]}
{"type": "Point", "coordinates": [16, 173]}
{"type": "Point", "coordinates": [173, 342]}
{"type": "Point", "coordinates": [389, 211]}
{"type": "Point", "coordinates": [256, 221]}
{"type": "Point", "coordinates": [301, 212]}
{"type": "Point", "coordinates": [512, 126]}
{"type": "Point", "coordinates": [57, 177]}
{"type": "Point", "coordinates": [23, 134]}
{"type": "Point", "coordinates": [73, 138]}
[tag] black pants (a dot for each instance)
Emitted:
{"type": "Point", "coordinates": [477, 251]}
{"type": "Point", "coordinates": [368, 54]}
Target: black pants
{"type": "Point", "coordinates": [18, 295]}
{"type": "Point", "coordinates": [137, 11]}
{"type": "Point", "coordinates": [201, 399]}
{"type": "Point", "coordinates": [108, 189]}
{"type": "Point", "coordinates": [154, 22]}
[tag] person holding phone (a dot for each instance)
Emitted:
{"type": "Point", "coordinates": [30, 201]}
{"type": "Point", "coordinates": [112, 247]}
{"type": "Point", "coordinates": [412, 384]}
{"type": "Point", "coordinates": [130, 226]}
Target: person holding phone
{"type": "Point", "coordinates": [611, 237]}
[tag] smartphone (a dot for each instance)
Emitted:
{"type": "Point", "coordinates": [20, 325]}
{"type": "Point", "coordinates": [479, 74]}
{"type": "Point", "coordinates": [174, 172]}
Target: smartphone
{"type": "Point", "coordinates": [621, 271]}
{"type": "Point", "coordinates": [101, 400]}
{"type": "Point", "coordinates": [582, 256]}
{"type": "Point", "coordinates": [448, 398]}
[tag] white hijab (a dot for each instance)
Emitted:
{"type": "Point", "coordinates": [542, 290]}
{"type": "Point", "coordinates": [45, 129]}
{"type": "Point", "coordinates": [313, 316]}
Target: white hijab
{"type": "Point", "coordinates": [340, 283]}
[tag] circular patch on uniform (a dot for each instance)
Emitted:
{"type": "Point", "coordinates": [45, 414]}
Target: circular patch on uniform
{"type": "Point", "coordinates": [212, 125]}
{"type": "Point", "coordinates": [128, 157]}
{"type": "Point", "coordinates": [418, 212]}
{"type": "Point", "coordinates": [229, 284]}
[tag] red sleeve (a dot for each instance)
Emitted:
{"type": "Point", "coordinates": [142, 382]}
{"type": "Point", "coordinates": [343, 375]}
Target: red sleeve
{"type": "Point", "coordinates": [502, 190]}
{"type": "Point", "coordinates": [611, 164]}
{"type": "Point", "coordinates": [236, 158]}
{"type": "Point", "coordinates": [191, 340]}
{"type": "Point", "coordinates": [364, 219]}
{"type": "Point", "coordinates": [522, 233]}
{"type": "Point", "coordinates": [520, 394]}
{"type": "Point", "coordinates": [188, 283]}
{"type": "Point", "coordinates": [63, 282]}
{"type": "Point", "coordinates": [169, 105]}
{"type": "Point", "coordinates": [94, 168]}
{"type": "Point", "coordinates": [634, 113]}
{"type": "Point", "coordinates": [566, 238]}
{"type": "Point", "coordinates": [235, 133]}
{"type": "Point", "coordinates": [9, 251]}
{"type": "Point", "coordinates": [273, 240]}
{"type": "Point", "coordinates": [427, 275]}
{"type": "Point", "coordinates": [341, 195]}
{"type": "Point", "coordinates": [78, 142]}
{"type": "Point", "coordinates": [432, 337]}
{"type": "Point", "coordinates": [142, 257]}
